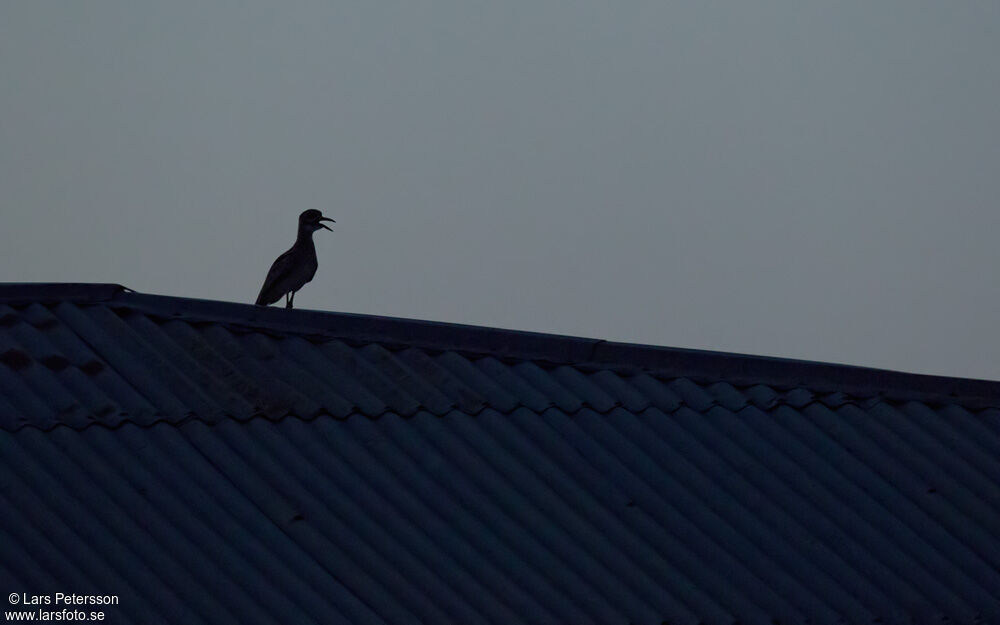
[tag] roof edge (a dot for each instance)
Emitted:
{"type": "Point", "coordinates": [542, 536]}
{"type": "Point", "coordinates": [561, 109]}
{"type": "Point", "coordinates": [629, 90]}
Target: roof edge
{"type": "Point", "coordinates": [554, 349]}
{"type": "Point", "coordinates": [15, 292]}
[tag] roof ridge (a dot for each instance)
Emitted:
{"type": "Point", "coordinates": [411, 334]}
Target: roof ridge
{"type": "Point", "coordinates": [395, 332]}
{"type": "Point", "coordinates": [14, 292]}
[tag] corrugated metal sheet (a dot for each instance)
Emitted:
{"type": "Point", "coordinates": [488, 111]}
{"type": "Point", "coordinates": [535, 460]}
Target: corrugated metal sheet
{"type": "Point", "coordinates": [220, 463]}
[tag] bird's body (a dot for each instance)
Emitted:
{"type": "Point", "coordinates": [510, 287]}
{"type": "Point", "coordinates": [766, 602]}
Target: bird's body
{"type": "Point", "coordinates": [293, 269]}
{"type": "Point", "coordinates": [290, 272]}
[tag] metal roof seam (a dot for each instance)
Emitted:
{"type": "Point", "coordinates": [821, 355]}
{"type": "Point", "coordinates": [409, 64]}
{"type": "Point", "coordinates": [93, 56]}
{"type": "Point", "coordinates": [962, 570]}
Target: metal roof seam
{"type": "Point", "coordinates": [211, 417]}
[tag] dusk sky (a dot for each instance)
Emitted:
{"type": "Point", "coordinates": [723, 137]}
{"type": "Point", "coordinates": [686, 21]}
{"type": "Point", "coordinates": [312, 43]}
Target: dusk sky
{"type": "Point", "coordinates": [815, 180]}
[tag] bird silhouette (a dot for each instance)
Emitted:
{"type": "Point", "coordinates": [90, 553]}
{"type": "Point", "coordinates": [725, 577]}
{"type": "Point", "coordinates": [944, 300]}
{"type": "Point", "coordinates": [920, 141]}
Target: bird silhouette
{"type": "Point", "coordinates": [298, 265]}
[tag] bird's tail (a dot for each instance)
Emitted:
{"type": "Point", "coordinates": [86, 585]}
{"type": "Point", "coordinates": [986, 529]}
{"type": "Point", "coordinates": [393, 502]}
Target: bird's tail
{"type": "Point", "coordinates": [260, 299]}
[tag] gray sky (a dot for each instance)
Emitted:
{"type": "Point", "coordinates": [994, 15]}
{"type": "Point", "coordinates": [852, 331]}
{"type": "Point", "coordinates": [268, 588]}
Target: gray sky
{"type": "Point", "coordinates": [816, 180]}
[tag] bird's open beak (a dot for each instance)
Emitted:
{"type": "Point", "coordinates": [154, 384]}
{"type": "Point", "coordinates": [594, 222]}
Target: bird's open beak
{"type": "Point", "coordinates": [327, 219]}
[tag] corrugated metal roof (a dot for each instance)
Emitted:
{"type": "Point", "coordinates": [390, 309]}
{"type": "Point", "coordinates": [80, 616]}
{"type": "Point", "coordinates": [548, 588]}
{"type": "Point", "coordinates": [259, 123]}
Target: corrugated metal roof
{"type": "Point", "coordinates": [223, 463]}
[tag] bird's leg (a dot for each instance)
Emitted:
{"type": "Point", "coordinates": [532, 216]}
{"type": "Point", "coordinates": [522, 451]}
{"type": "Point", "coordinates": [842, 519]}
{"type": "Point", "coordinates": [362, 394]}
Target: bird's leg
{"type": "Point", "coordinates": [287, 303]}
{"type": "Point", "coordinates": [291, 299]}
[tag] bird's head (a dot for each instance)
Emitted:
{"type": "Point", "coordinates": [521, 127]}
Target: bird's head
{"type": "Point", "coordinates": [312, 220]}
